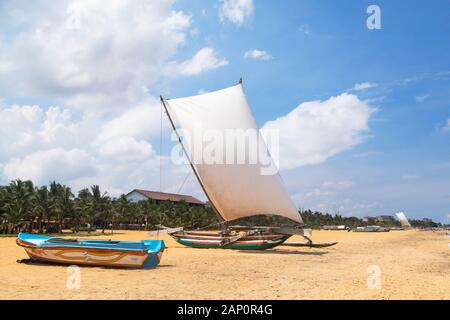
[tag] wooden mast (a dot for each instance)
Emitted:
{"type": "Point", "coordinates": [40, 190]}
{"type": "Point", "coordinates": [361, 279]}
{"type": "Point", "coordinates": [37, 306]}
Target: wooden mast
{"type": "Point", "coordinates": [221, 219]}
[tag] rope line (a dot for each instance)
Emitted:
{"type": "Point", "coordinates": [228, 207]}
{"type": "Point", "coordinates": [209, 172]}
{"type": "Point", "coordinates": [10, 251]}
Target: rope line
{"type": "Point", "coordinates": [184, 181]}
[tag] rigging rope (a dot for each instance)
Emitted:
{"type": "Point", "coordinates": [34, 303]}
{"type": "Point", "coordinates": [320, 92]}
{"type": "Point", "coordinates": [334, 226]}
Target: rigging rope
{"type": "Point", "coordinates": [160, 148]}
{"type": "Point", "coordinates": [160, 162]}
{"type": "Point", "coordinates": [185, 179]}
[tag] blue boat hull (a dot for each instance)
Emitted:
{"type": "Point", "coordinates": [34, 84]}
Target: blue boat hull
{"type": "Point", "coordinates": [144, 254]}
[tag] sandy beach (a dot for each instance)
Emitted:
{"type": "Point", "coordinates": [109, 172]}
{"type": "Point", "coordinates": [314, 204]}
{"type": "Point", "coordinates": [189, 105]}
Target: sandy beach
{"type": "Point", "coordinates": [413, 265]}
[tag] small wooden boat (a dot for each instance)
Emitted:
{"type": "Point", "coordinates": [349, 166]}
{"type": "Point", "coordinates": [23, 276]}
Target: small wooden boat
{"type": "Point", "coordinates": [397, 229]}
{"type": "Point", "coordinates": [110, 253]}
{"type": "Point", "coordinates": [335, 228]}
{"type": "Point", "coordinates": [259, 240]}
{"type": "Point", "coordinates": [371, 229]}
{"type": "Point", "coordinates": [245, 238]}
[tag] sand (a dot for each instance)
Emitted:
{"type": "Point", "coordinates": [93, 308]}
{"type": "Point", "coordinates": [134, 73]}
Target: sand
{"type": "Point", "coordinates": [412, 265]}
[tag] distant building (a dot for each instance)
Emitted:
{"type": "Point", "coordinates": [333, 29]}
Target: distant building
{"type": "Point", "coordinates": [140, 195]}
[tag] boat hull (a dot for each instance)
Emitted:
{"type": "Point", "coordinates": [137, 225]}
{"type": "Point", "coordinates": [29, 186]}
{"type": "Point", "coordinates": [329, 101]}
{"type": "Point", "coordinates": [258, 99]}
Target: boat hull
{"type": "Point", "coordinates": [215, 240]}
{"type": "Point", "coordinates": [371, 230]}
{"type": "Point", "coordinates": [82, 254]}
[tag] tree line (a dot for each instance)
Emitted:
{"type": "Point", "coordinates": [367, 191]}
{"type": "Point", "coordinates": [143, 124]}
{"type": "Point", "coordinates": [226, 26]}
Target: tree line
{"type": "Point", "coordinates": [49, 209]}
{"type": "Point", "coordinates": [318, 219]}
{"type": "Point", "coordinates": [52, 208]}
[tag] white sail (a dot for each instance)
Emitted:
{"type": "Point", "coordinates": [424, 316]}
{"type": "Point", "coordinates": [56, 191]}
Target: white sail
{"type": "Point", "coordinates": [236, 188]}
{"type": "Point", "coordinates": [403, 220]}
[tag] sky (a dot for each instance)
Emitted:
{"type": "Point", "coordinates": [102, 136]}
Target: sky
{"type": "Point", "coordinates": [363, 114]}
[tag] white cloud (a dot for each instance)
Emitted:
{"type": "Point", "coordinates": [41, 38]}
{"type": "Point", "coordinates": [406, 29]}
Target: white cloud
{"type": "Point", "coordinates": [338, 185]}
{"type": "Point", "coordinates": [89, 55]}
{"type": "Point", "coordinates": [447, 126]}
{"type": "Point", "coordinates": [205, 59]}
{"type": "Point", "coordinates": [364, 86]}
{"type": "Point", "coordinates": [126, 148]}
{"type": "Point", "coordinates": [236, 11]}
{"type": "Point", "coordinates": [26, 129]}
{"type": "Point", "coordinates": [140, 122]}
{"type": "Point", "coordinates": [318, 130]}
{"type": "Point", "coordinates": [54, 164]}
{"type": "Point", "coordinates": [258, 54]}
{"type": "Point", "coordinates": [45, 145]}
{"type": "Point", "coordinates": [334, 202]}
{"type": "Point", "coordinates": [420, 99]}
{"type": "Point", "coordinates": [103, 121]}
{"type": "Point", "coordinates": [367, 154]}
{"type": "Point", "coordinates": [305, 29]}
{"type": "Point", "coordinates": [96, 63]}
{"type": "Point", "coordinates": [317, 193]}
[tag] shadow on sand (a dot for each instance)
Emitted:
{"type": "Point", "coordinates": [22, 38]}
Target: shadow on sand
{"type": "Point", "coordinates": [268, 251]}
{"type": "Point", "coordinates": [46, 264]}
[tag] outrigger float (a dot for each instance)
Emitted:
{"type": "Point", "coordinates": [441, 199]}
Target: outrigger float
{"type": "Point", "coordinates": [108, 253]}
{"type": "Point", "coordinates": [234, 190]}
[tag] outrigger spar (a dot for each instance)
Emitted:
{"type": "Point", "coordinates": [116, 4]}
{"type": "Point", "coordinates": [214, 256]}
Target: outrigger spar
{"type": "Point", "coordinates": [233, 190]}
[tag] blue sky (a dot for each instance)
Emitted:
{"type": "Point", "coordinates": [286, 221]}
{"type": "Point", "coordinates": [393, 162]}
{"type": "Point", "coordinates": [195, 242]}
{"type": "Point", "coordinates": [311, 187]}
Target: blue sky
{"type": "Point", "coordinates": [317, 49]}
{"type": "Point", "coordinates": [408, 59]}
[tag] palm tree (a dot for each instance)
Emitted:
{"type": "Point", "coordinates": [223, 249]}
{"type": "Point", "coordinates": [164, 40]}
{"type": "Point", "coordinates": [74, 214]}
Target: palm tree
{"type": "Point", "coordinates": [99, 205]}
{"type": "Point", "coordinates": [18, 204]}
{"type": "Point", "coordinates": [42, 206]}
{"type": "Point", "coordinates": [55, 203]}
{"type": "Point", "coordinates": [82, 207]}
{"type": "Point", "coordinates": [2, 208]}
{"type": "Point", "coordinates": [107, 211]}
{"type": "Point", "coordinates": [66, 206]}
{"type": "Point", "coordinates": [122, 205]}
{"type": "Point", "coordinates": [150, 210]}
{"type": "Point", "coordinates": [121, 209]}
{"type": "Point", "coordinates": [132, 215]}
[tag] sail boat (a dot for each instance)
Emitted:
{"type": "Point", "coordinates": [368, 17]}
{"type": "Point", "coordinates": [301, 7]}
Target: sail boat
{"type": "Point", "coordinates": [234, 189]}
{"type": "Point", "coordinates": [404, 222]}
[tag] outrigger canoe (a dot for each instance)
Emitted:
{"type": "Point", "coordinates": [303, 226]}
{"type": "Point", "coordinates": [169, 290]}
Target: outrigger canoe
{"type": "Point", "coordinates": [371, 229]}
{"type": "Point", "coordinates": [238, 185]}
{"type": "Point", "coordinates": [257, 241]}
{"type": "Point", "coordinates": [126, 254]}
{"type": "Point", "coordinates": [244, 238]}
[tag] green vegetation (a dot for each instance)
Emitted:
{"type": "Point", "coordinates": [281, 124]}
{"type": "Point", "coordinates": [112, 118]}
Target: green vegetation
{"type": "Point", "coordinates": [423, 224]}
{"type": "Point", "coordinates": [25, 207]}
{"type": "Point", "coordinates": [317, 219]}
